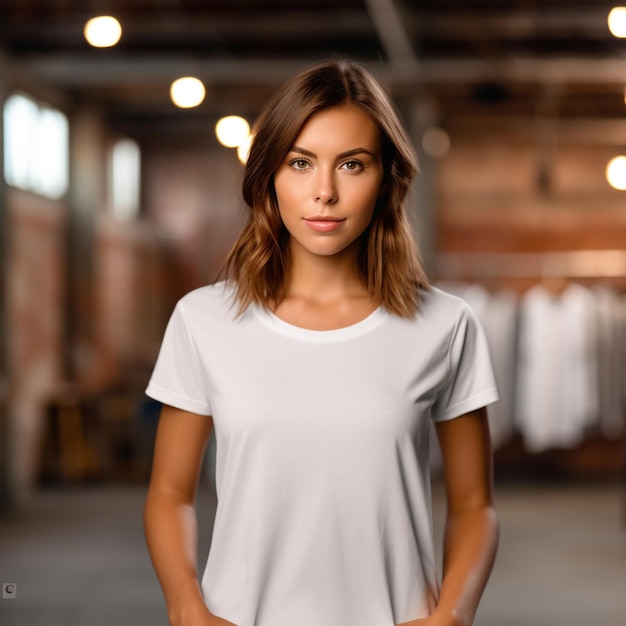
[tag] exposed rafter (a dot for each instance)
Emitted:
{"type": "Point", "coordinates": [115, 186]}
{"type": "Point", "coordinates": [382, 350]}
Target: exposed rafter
{"type": "Point", "coordinates": [391, 31]}
{"type": "Point", "coordinates": [77, 71]}
{"type": "Point", "coordinates": [456, 51]}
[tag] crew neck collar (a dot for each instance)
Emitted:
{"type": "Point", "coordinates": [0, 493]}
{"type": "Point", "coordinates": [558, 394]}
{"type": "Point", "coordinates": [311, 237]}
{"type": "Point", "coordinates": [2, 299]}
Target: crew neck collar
{"type": "Point", "coordinates": [281, 327]}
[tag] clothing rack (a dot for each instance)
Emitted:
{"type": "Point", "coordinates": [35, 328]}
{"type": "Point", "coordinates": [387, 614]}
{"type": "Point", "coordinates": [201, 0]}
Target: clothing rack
{"type": "Point", "coordinates": [596, 265]}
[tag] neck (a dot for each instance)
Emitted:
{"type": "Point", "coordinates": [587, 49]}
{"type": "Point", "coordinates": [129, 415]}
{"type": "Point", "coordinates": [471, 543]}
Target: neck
{"type": "Point", "coordinates": [320, 278]}
{"type": "Point", "coordinates": [324, 292]}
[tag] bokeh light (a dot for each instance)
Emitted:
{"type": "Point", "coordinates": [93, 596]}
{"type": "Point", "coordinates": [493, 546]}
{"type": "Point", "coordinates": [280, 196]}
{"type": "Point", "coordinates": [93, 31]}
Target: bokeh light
{"type": "Point", "coordinates": [103, 31]}
{"type": "Point", "coordinates": [436, 142]}
{"type": "Point", "coordinates": [617, 22]}
{"type": "Point", "coordinates": [243, 149]}
{"type": "Point", "coordinates": [187, 92]}
{"type": "Point", "coordinates": [232, 131]}
{"type": "Point", "coordinates": [616, 173]}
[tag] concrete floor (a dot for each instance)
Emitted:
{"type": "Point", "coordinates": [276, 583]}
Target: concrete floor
{"type": "Point", "coordinates": [78, 558]}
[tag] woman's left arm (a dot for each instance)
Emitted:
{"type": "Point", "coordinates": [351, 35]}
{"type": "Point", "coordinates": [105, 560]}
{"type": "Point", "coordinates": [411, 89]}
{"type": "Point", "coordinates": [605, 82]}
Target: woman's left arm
{"type": "Point", "coordinates": [471, 534]}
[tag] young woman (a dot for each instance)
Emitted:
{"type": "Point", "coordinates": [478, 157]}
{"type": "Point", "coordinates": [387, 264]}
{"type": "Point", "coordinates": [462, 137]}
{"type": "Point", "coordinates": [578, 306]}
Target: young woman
{"type": "Point", "coordinates": [320, 363]}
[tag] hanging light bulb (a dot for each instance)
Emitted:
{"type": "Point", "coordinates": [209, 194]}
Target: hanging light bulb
{"type": "Point", "coordinates": [232, 131]}
{"type": "Point", "coordinates": [187, 92]}
{"type": "Point", "coordinates": [103, 31]}
{"type": "Point", "coordinates": [616, 173]}
{"type": "Point", "coordinates": [617, 22]}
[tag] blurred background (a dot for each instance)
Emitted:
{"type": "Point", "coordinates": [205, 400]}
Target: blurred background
{"type": "Point", "coordinates": [119, 192]}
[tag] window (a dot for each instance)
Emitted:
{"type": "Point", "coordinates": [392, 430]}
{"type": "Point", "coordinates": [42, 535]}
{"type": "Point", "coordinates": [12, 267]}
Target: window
{"type": "Point", "coordinates": [36, 151]}
{"type": "Point", "coordinates": [125, 179]}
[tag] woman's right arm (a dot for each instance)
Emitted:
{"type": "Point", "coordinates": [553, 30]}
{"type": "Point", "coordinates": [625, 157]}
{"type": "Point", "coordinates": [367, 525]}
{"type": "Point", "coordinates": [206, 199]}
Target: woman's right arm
{"type": "Point", "coordinates": [170, 515]}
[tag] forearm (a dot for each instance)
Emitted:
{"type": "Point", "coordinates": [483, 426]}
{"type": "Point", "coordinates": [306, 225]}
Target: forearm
{"type": "Point", "coordinates": [171, 534]}
{"type": "Point", "coordinates": [470, 545]}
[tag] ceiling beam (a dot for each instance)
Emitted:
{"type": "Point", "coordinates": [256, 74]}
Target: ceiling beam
{"type": "Point", "coordinates": [391, 31]}
{"type": "Point", "coordinates": [76, 71]}
{"type": "Point", "coordinates": [512, 24]}
{"type": "Point", "coordinates": [573, 131]}
{"type": "Point", "coordinates": [167, 26]}
{"type": "Point", "coordinates": [393, 27]}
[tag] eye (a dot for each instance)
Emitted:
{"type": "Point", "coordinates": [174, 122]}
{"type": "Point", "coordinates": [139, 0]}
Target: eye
{"type": "Point", "coordinates": [352, 166]}
{"type": "Point", "coordinates": [299, 164]}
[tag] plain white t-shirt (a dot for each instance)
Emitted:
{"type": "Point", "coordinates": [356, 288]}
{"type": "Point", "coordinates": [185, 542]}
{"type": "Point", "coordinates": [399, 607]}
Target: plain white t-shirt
{"type": "Point", "coordinates": [322, 473]}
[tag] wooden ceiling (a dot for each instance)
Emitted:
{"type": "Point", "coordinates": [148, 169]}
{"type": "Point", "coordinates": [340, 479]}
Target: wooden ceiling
{"type": "Point", "coordinates": [473, 58]}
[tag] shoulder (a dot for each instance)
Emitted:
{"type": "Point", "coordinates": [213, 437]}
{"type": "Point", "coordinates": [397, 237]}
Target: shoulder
{"type": "Point", "coordinates": [214, 301]}
{"type": "Point", "coordinates": [439, 306]}
{"type": "Point", "coordinates": [217, 294]}
{"type": "Point", "coordinates": [439, 318]}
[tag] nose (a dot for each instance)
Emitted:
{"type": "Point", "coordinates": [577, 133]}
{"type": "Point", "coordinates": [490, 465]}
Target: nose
{"type": "Point", "coordinates": [325, 189]}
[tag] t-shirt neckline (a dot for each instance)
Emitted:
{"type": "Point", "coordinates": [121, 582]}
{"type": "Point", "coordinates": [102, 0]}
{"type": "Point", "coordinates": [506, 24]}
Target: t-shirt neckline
{"type": "Point", "coordinates": [281, 327]}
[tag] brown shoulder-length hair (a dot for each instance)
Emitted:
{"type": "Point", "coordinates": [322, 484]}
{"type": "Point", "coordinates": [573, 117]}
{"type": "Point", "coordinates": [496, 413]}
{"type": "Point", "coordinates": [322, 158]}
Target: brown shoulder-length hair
{"type": "Point", "coordinates": [389, 263]}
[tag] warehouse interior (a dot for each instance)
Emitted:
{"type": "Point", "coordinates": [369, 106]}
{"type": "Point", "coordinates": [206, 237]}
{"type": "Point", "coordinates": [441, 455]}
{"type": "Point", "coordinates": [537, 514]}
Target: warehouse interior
{"type": "Point", "coordinates": [115, 201]}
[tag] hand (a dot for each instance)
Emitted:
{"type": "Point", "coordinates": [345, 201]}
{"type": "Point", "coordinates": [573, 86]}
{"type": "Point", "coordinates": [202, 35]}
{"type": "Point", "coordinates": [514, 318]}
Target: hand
{"type": "Point", "coordinates": [218, 621]}
{"type": "Point", "coordinates": [198, 615]}
{"type": "Point", "coordinates": [435, 619]}
{"type": "Point", "coordinates": [432, 620]}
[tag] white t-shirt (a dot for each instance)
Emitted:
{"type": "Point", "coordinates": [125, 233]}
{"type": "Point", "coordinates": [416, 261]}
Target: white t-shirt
{"type": "Point", "coordinates": [324, 513]}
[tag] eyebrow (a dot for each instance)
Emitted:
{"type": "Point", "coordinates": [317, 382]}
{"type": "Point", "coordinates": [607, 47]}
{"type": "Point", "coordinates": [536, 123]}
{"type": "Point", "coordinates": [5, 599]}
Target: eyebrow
{"type": "Point", "coordinates": [343, 155]}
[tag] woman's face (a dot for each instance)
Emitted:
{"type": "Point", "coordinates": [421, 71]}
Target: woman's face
{"type": "Point", "coordinates": [329, 182]}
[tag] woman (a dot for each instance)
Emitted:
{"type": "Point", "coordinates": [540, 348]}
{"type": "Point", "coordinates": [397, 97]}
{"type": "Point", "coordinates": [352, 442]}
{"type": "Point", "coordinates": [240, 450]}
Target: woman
{"type": "Point", "coordinates": [320, 362]}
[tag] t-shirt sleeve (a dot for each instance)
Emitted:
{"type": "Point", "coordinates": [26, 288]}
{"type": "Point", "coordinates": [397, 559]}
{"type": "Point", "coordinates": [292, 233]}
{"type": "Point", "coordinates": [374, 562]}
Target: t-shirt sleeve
{"type": "Point", "coordinates": [178, 377]}
{"type": "Point", "coordinates": [470, 383]}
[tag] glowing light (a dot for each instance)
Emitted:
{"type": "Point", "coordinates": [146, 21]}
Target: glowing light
{"type": "Point", "coordinates": [187, 92]}
{"type": "Point", "coordinates": [436, 142]}
{"type": "Point", "coordinates": [616, 173]}
{"type": "Point", "coordinates": [103, 31]}
{"type": "Point", "coordinates": [243, 149]}
{"type": "Point", "coordinates": [617, 22]}
{"type": "Point", "coordinates": [232, 131]}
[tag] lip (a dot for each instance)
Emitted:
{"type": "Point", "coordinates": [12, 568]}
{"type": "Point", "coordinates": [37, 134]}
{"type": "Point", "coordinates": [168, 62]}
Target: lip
{"type": "Point", "coordinates": [324, 223]}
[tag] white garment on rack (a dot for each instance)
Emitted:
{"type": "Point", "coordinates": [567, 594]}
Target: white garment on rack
{"type": "Point", "coordinates": [557, 397]}
{"type": "Point", "coordinates": [500, 323]}
{"type": "Point", "coordinates": [611, 360]}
